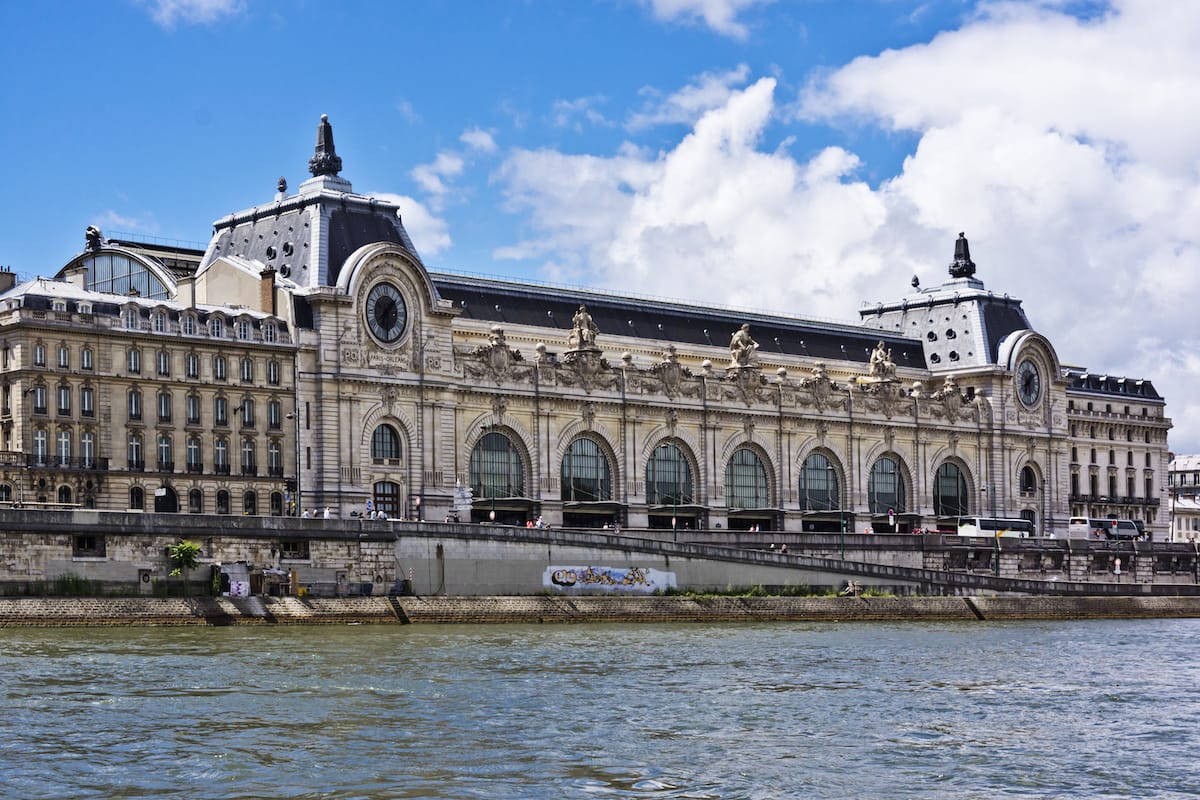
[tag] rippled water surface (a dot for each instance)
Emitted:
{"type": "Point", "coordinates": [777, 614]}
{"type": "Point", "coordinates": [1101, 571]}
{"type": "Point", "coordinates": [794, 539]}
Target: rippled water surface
{"type": "Point", "coordinates": [1065, 709]}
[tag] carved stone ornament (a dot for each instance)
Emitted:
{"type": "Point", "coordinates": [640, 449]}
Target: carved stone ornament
{"type": "Point", "coordinates": [746, 384]}
{"type": "Point", "coordinates": [743, 350]}
{"type": "Point", "coordinates": [586, 368]}
{"type": "Point", "coordinates": [496, 360]}
{"type": "Point", "coordinates": [822, 392]}
{"type": "Point", "coordinates": [589, 415]}
{"type": "Point", "coordinates": [948, 402]}
{"type": "Point", "coordinates": [672, 419]}
{"type": "Point", "coordinates": [886, 398]}
{"type": "Point", "coordinates": [748, 426]}
{"type": "Point", "coordinates": [389, 395]}
{"type": "Point", "coordinates": [674, 378]}
{"type": "Point", "coordinates": [499, 407]}
{"type": "Point", "coordinates": [583, 331]}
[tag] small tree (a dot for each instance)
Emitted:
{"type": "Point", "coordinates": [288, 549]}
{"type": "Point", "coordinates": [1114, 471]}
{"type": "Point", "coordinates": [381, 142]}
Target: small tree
{"type": "Point", "coordinates": [185, 557]}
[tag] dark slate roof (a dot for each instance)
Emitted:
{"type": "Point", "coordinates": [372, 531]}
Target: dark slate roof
{"type": "Point", "coordinates": [351, 228]}
{"type": "Point", "coordinates": [276, 238]}
{"type": "Point", "coordinates": [1000, 318]}
{"type": "Point", "coordinates": [1136, 388]}
{"type": "Point", "coordinates": [505, 302]}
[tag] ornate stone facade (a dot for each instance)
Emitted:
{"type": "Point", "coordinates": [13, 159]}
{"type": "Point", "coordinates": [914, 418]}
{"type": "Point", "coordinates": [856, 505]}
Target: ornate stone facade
{"type": "Point", "coordinates": [589, 409]}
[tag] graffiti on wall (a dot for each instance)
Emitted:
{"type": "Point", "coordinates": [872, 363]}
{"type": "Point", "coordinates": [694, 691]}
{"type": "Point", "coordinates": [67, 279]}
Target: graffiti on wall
{"type": "Point", "coordinates": [641, 580]}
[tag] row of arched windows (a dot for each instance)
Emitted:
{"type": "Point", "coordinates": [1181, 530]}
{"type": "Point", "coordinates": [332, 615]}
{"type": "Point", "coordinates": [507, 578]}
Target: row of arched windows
{"type": "Point", "coordinates": [498, 469]}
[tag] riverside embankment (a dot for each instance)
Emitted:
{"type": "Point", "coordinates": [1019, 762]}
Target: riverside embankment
{"type": "Point", "coordinates": [68, 612]}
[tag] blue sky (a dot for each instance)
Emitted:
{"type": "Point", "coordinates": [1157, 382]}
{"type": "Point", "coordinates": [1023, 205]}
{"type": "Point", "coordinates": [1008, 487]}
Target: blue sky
{"type": "Point", "coordinates": [802, 156]}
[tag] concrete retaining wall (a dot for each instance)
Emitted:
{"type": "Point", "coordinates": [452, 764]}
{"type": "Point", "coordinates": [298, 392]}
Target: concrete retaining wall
{"type": "Point", "coordinates": [65, 612]}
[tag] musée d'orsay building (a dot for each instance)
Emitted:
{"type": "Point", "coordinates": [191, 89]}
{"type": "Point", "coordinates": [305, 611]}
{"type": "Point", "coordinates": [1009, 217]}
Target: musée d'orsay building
{"type": "Point", "coordinates": [308, 359]}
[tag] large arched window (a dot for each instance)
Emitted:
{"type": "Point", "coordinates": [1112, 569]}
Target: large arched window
{"type": "Point", "coordinates": [586, 475]}
{"type": "Point", "coordinates": [746, 481]}
{"type": "Point", "coordinates": [885, 488]}
{"type": "Point", "coordinates": [496, 467]}
{"type": "Point", "coordinates": [949, 491]}
{"type": "Point", "coordinates": [118, 274]}
{"type": "Point", "coordinates": [64, 494]}
{"type": "Point", "coordinates": [819, 485]}
{"type": "Point", "coordinates": [385, 445]}
{"type": "Point", "coordinates": [669, 477]}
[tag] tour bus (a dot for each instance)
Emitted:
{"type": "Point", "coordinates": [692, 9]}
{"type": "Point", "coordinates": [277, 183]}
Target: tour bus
{"type": "Point", "coordinates": [1099, 528]}
{"type": "Point", "coordinates": [995, 526]}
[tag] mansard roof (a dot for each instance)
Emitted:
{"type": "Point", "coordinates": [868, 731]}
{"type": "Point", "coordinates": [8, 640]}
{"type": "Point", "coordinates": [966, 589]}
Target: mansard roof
{"type": "Point", "coordinates": [1134, 388]}
{"type": "Point", "coordinates": [508, 302]}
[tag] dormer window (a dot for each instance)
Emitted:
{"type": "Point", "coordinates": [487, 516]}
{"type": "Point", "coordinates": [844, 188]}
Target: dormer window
{"type": "Point", "coordinates": [59, 305]}
{"type": "Point", "coordinates": [129, 318]}
{"type": "Point", "coordinates": [268, 331]}
{"type": "Point", "coordinates": [160, 322]}
{"type": "Point", "coordinates": [243, 329]}
{"type": "Point", "coordinates": [216, 327]}
{"type": "Point", "coordinates": [85, 308]}
{"type": "Point", "coordinates": [188, 324]}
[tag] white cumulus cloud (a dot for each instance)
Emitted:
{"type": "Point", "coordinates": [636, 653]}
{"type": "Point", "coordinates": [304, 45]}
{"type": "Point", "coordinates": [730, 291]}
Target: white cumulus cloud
{"type": "Point", "coordinates": [1067, 149]}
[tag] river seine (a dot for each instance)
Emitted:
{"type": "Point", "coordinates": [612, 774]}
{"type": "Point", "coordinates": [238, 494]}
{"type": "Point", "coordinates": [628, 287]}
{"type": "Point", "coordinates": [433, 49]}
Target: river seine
{"type": "Point", "coordinates": [1096, 709]}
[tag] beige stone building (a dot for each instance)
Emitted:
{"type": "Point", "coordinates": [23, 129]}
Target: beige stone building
{"type": "Point", "coordinates": [431, 394]}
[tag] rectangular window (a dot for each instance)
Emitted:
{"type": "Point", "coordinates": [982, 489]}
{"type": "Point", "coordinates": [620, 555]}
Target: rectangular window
{"type": "Point", "coordinates": [39, 399]}
{"type": "Point", "coordinates": [193, 365]}
{"type": "Point", "coordinates": [247, 370]}
{"type": "Point", "coordinates": [87, 546]}
{"type": "Point", "coordinates": [85, 358]}
{"type": "Point", "coordinates": [39, 355]}
{"type": "Point", "coordinates": [135, 404]}
{"type": "Point", "coordinates": [137, 461]}
{"type": "Point", "coordinates": [295, 549]}
{"type": "Point", "coordinates": [64, 400]}
{"type": "Point", "coordinates": [164, 407]}
{"type": "Point", "coordinates": [87, 450]}
{"type": "Point", "coordinates": [87, 401]}
{"type": "Point", "coordinates": [64, 357]}
{"type": "Point", "coordinates": [193, 409]}
{"type": "Point", "coordinates": [135, 360]}
{"type": "Point", "coordinates": [164, 362]}
{"type": "Point", "coordinates": [247, 413]}
{"type": "Point", "coordinates": [220, 411]}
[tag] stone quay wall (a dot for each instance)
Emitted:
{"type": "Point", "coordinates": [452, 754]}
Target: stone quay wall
{"type": "Point", "coordinates": [87, 612]}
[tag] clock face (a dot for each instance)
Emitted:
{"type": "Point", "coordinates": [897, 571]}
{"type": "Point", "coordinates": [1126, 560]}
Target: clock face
{"type": "Point", "coordinates": [385, 312]}
{"type": "Point", "coordinates": [1029, 383]}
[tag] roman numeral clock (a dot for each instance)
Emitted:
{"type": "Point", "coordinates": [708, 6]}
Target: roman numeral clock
{"type": "Point", "coordinates": [385, 312]}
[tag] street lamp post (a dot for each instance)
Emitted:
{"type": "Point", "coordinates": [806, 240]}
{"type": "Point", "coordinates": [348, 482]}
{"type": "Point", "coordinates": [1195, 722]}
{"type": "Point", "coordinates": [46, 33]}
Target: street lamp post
{"type": "Point", "coordinates": [299, 508]}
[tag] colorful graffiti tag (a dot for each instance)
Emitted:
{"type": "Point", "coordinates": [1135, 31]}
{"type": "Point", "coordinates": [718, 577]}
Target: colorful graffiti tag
{"type": "Point", "coordinates": [642, 580]}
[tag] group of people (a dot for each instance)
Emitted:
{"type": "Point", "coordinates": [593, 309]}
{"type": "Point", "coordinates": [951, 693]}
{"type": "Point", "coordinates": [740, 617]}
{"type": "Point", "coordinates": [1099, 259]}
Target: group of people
{"type": "Point", "coordinates": [317, 513]}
